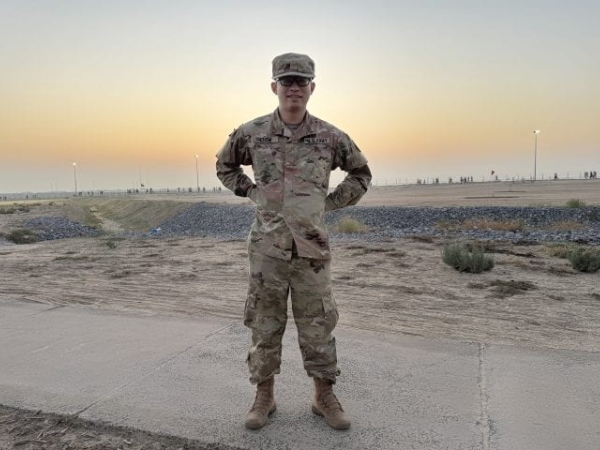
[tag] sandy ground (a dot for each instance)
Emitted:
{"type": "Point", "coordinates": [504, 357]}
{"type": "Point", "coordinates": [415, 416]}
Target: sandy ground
{"type": "Point", "coordinates": [529, 299]}
{"type": "Point", "coordinates": [502, 193]}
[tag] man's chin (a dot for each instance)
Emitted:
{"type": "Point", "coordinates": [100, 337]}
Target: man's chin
{"type": "Point", "coordinates": [295, 107]}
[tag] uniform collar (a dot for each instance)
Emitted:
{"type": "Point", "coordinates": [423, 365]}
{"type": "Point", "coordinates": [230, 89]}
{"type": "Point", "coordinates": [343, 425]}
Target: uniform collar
{"type": "Point", "coordinates": [306, 128]}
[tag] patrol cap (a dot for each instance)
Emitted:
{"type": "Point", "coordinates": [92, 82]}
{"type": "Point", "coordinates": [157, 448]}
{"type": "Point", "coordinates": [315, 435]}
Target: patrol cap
{"type": "Point", "coordinates": [294, 64]}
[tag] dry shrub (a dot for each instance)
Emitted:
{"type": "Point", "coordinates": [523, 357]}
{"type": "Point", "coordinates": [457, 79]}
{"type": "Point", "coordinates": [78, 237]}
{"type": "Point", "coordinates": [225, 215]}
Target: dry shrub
{"type": "Point", "coordinates": [350, 225]}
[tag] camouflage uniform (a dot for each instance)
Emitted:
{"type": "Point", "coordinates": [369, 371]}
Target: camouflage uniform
{"type": "Point", "coordinates": [288, 243]}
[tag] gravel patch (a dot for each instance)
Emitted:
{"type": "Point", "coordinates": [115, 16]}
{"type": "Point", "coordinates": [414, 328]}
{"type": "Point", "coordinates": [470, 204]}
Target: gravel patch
{"type": "Point", "coordinates": [48, 228]}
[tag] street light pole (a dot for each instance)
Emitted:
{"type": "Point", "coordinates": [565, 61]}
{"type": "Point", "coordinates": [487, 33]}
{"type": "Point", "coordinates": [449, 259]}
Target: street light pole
{"type": "Point", "coordinates": [75, 177]}
{"type": "Point", "coordinates": [535, 133]}
{"type": "Point", "coordinates": [197, 176]}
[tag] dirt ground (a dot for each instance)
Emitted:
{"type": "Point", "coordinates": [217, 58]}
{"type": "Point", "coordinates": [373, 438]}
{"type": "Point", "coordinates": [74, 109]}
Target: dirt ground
{"type": "Point", "coordinates": [530, 298]}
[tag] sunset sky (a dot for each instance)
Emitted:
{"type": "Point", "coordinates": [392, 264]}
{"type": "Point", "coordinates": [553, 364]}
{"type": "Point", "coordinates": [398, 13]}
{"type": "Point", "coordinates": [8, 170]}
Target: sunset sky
{"type": "Point", "coordinates": [132, 91]}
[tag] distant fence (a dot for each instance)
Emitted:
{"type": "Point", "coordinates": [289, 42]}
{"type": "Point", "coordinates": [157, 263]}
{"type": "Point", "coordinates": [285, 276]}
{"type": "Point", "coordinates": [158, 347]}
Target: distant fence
{"type": "Point", "coordinates": [217, 191]}
{"type": "Point", "coordinates": [482, 179]}
{"type": "Point", "coordinates": [221, 191]}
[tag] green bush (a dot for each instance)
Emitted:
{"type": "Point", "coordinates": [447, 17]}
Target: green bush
{"type": "Point", "coordinates": [22, 237]}
{"type": "Point", "coordinates": [575, 203]}
{"type": "Point", "coordinates": [350, 225]}
{"type": "Point", "coordinates": [585, 260]}
{"type": "Point", "coordinates": [465, 258]}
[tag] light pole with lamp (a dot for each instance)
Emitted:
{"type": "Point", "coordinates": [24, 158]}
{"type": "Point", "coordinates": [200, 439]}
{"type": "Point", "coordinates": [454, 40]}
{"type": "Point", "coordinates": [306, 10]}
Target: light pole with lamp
{"type": "Point", "coordinates": [535, 133]}
{"type": "Point", "coordinates": [197, 176]}
{"type": "Point", "coordinates": [75, 177]}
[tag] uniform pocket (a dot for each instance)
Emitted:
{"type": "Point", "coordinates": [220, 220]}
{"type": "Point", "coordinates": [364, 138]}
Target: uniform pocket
{"type": "Point", "coordinates": [315, 172]}
{"type": "Point", "coordinates": [250, 310]}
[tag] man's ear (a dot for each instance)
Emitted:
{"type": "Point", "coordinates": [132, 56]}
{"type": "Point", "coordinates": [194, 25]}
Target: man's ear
{"type": "Point", "coordinates": [274, 87]}
{"type": "Point", "coordinates": [312, 87]}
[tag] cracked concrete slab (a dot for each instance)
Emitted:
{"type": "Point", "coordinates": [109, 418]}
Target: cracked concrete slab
{"type": "Point", "coordinates": [188, 377]}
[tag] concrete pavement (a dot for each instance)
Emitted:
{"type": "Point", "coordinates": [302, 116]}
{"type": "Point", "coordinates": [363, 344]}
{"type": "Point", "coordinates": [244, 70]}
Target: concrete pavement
{"type": "Point", "coordinates": [187, 377]}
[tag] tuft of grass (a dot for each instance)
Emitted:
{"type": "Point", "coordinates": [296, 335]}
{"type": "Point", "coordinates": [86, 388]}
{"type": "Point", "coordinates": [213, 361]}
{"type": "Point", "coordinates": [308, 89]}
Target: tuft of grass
{"type": "Point", "coordinates": [350, 225]}
{"type": "Point", "coordinates": [464, 259]}
{"type": "Point", "coordinates": [575, 203]}
{"type": "Point", "coordinates": [22, 236]}
{"type": "Point", "coordinates": [561, 249]}
{"type": "Point", "coordinates": [585, 260]}
{"type": "Point", "coordinates": [111, 244]}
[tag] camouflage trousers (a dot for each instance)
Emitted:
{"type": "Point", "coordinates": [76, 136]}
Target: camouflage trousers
{"type": "Point", "coordinates": [308, 283]}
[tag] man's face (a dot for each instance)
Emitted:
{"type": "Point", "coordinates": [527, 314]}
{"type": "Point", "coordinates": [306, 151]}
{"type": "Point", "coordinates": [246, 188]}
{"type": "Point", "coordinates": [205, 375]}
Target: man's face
{"type": "Point", "coordinates": [294, 96]}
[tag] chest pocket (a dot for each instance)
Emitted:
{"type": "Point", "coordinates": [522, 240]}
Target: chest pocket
{"type": "Point", "coordinates": [267, 163]}
{"type": "Point", "coordinates": [315, 166]}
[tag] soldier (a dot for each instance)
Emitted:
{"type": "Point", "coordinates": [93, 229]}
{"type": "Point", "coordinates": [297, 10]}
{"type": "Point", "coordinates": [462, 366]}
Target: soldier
{"type": "Point", "coordinates": [292, 154]}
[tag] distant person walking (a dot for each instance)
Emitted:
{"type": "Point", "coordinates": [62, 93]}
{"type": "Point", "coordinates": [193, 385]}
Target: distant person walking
{"type": "Point", "coordinates": [292, 154]}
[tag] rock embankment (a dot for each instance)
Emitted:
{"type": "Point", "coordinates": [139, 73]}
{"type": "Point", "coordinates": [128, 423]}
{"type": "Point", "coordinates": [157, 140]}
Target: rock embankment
{"type": "Point", "coordinates": [521, 223]}
{"type": "Point", "coordinates": [228, 222]}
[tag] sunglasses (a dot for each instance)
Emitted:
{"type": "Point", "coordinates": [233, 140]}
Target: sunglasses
{"type": "Point", "coordinates": [288, 81]}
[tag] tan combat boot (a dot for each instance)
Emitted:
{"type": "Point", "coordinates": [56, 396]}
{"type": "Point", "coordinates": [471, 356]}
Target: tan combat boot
{"type": "Point", "coordinates": [327, 405]}
{"type": "Point", "coordinates": [264, 404]}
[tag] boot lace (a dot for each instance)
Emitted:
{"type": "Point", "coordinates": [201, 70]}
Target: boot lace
{"type": "Point", "coordinates": [331, 402]}
{"type": "Point", "coordinates": [261, 401]}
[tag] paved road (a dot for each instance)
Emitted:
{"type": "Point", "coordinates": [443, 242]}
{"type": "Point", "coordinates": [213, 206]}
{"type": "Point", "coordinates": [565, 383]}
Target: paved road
{"type": "Point", "coordinates": [187, 377]}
